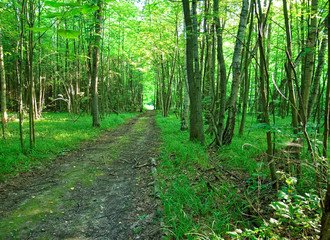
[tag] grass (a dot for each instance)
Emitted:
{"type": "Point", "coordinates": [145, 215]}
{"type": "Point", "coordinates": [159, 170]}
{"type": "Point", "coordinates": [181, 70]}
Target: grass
{"type": "Point", "coordinates": [208, 192]}
{"type": "Point", "coordinates": [56, 134]}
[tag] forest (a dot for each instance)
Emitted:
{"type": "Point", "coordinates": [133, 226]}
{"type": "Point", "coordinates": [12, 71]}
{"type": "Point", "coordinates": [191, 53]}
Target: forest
{"type": "Point", "coordinates": [239, 92]}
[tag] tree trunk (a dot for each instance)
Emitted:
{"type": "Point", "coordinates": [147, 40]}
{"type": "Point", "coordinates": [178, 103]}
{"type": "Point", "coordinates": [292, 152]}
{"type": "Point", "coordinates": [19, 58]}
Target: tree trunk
{"type": "Point", "coordinates": [318, 73]}
{"type": "Point", "coordinates": [309, 62]}
{"type": "Point", "coordinates": [325, 220]}
{"type": "Point", "coordinates": [196, 123]}
{"type": "Point", "coordinates": [31, 19]}
{"type": "Point", "coordinates": [222, 75]}
{"type": "Point", "coordinates": [292, 94]}
{"type": "Point", "coordinates": [3, 88]}
{"type": "Point", "coordinates": [264, 89]}
{"type": "Point", "coordinates": [231, 120]}
{"type": "Point", "coordinates": [246, 72]}
{"type": "Point", "coordinates": [96, 60]}
{"type": "Point", "coordinates": [20, 28]}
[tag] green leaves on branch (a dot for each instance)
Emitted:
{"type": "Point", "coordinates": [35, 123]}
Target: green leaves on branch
{"type": "Point", "coordinates": [39, 29]}
{"type": "Point", "coordinates": [57, 4]}
{"type": "Point", "coordinates": [65, 33]}
{"type": "Point", "coordinates": [68, 33]}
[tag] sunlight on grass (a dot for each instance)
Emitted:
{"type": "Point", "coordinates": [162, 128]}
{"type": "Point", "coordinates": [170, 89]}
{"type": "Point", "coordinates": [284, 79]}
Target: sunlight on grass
{"type": "Point", "coordinates": [56, 134]}
{"type": "Point", "coordinates": [205, 191]}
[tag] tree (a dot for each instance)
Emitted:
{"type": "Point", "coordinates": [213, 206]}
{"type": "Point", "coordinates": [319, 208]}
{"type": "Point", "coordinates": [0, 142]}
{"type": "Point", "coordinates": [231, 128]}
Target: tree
{"type": "Point", "coordinates": [196, 121]}
{"type": "Point", "coordinates": [236, 63]}
{"type": "Point", "coordinates": [325, 220]}
{"type": "Point", "coordinates": [3, 87]}
{"type": "Point", "coordinates": [222, 75]}
{"type": "Point", "coordinates": [264, 87]}
{"type": "Point", "coordinates": [96, 62]}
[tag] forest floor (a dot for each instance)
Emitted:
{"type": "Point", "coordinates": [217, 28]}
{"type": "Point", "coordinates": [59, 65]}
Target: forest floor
{"type": "Point", "coordinates": [104, 190]}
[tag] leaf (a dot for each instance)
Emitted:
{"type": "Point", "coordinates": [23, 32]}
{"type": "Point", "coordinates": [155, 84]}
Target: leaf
{"type": "Point", "coordinates": [68, 33]}
{"type": "Point", "coordinates": [89, 9]}
{"type": "Point", "coordinates": [37, 29]}
{"type": "Point", "coordinates": [60, 4]}
{"type": "Point", "coordinates": [53, 15]}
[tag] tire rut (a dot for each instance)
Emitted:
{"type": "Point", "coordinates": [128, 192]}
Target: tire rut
{"type": "Point", "coordinates": [101, 191]}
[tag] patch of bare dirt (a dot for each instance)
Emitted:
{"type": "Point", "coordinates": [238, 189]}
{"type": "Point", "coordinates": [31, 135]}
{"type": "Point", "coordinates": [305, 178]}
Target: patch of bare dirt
{"type": "Point", "coordinates": [104, 190]}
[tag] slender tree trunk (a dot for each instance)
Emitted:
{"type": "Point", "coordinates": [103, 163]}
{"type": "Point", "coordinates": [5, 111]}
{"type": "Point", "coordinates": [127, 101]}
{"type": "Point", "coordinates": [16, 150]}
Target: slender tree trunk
{"type": "Point", "coordinates": [96, 60]}
{"type": "Point", "coordinates": [246, 71]}
{"type": "Point", "coordinates": [222, 75]}
{"type": "Point", "coordinates": [310, 49]}
{"type": "Point", "coordinates": [196, 123]}
{"type": "Point", "coordinates": [31, 19]}
{"type": "Point", "coordinates": [20, 23]}
{"type": "Point", "coordinates": [264, 89]}
{"type": "Point", "coordinates": [3, 88]}
{"type": "Point", "coordinates": [292, 94]}
{"type": "Point", "coordinates": [317, 77]}
{"type": "Point", "coordinates": [231, 120]}
{"type": "Point", "coordinates": [325, 220]}
{"type": "Point", "coordinates": [185, 114]}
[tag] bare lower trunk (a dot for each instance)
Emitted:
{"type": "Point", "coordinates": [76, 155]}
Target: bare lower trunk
{"type": "Point", "coordinates": [185, 114]}
{"type": "Point", "coordinates": [196, 124]}
{"type": "Point", "coordinates": [96, 61]}
{"type": "Point", "coordinates": [3, 89]}
{"type": "Point", "coordinates": [246, 73]}
{"type": "Point", "coordinates": [318, 73]}
{"type": "Point", "coordinates": [232, 108]}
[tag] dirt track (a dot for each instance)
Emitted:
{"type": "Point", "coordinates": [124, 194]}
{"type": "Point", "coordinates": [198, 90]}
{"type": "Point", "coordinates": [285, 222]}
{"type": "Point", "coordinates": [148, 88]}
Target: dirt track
{"type": "Point", "coordinates": [102, 191]}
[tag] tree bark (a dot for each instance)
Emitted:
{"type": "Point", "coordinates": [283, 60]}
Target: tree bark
{"type": "Point", "coordinates": [246, 72]}
{"type": "Point", "coordinates": [264, 89]}
{"type": "Point", "coordinates": [231, 120]}
{"type": "Point", "coordinates": [196, 121]}
{"type": "Point", "coordinates": [325, 220]}
{"type": "Point", "coordinates": [292, 94]}
{"type": "Point", "coordinates": [3, 88]}
{"type": "Point", "coordinates": [96, 61]}
{"type": "Point", "coordinates": [222, 75]}
{"type": "Point", "coordinates": [317, 77]}
{"type": "Point", "coordinates": [309, 62]}
{"type": "Point", "coordinates": [31, 19]}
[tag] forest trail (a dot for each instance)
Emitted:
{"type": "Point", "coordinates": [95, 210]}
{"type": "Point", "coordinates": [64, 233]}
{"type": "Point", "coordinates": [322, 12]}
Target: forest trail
{"type": "Point", "coordinates": [103, 190]}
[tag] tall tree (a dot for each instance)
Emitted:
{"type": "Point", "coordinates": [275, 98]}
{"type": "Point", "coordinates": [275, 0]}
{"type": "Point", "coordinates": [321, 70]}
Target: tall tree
{"type": "Point", "coordinates": [309, 61]}
{"type": "Point", "coordinates": [31, 20]}
{"type": "Point", "coordinates": [96, 62]}
{"type": "Point", "coordinates": [221, 73]}
{"type": "Point", "coordinates": [264, 86]}
{"type": "Point", "coordinates": [236, 81]}
{"type": "Point", "coordinates": [3, 86]}
{"type": "Point", "coordinates": [289, 74]}
{"type": "Point", "coordinates": [325, 220]}
{"type": "Point", "coordinates": [196, 121]}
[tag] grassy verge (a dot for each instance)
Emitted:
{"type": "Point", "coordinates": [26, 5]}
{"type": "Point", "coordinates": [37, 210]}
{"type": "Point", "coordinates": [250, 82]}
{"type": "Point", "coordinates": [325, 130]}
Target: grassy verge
{"type": "Point", "coordinates": [56, 134]}
{"type": "Point", "coordinates": [207, 192]}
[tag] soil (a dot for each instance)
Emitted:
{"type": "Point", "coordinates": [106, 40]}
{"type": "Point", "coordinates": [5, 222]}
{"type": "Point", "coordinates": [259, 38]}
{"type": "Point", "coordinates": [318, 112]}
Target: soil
{"type": "Point", "coordinates": [104, 190]}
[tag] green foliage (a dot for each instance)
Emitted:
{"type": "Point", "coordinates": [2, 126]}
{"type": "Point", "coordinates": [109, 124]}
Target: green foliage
{"type": "Point", "coordinates": [68, 33]}
{"type": "Point", "coordinates": [295, 216]}
{"type": "Point", "coordinates": [56, 135]}
{"type": "Point", "coordinates": [199, 206]}
{"type": "Point", "coordinates": [192, 206]}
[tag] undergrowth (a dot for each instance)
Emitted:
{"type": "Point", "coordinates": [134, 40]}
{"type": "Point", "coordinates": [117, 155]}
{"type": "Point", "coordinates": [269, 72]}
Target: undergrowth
{"type": "Point", "coordinates": [56, 134]}
{"type": "Point", "coordinates": [212, 193]}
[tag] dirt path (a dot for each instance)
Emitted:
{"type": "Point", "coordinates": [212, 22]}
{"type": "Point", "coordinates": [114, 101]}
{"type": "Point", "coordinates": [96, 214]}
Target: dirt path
{"type": "Point", "coordinates": [102, 191]}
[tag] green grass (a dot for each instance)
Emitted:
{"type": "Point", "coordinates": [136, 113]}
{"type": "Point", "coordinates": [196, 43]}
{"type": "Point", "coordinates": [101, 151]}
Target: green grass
{"type": "Point", "coordinates": [205, 191]}
{"type": "Point", "coordinates": [56, 134]}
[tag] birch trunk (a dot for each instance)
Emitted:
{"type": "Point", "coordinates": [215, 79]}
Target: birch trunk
{"type": "Point", "coordinates": [230, 125]}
